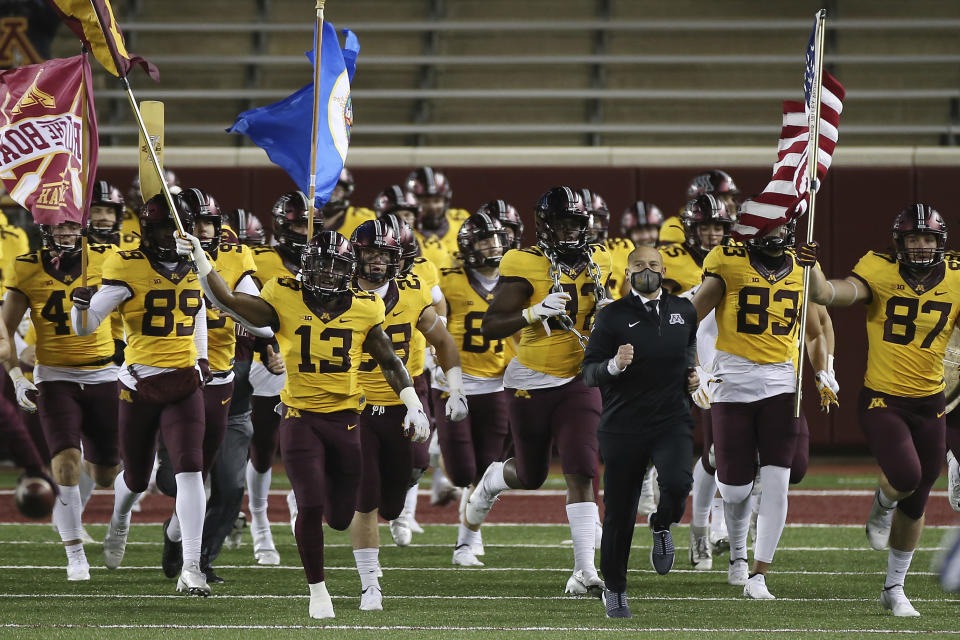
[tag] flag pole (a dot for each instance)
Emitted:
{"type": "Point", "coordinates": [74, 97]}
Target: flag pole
{"type": "Point", "coordinates": [813, 150]}
{"type": "Point", "coordinates": [84, 173]}
{"type": "Point", "coordinates": [318, 42]}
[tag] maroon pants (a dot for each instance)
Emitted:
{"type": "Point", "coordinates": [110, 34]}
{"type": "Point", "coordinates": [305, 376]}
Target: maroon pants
{"type": "Point", "coordinates": [216, 406]}
{"type": "Point", "coordinates": [469, 446]}
{"type": "Point", "coordinates": [565, 416]}
{"type": "Point", "coordinates": [906, 436]}
{"type": "Point", "coordinates": [73, 414]}
{"type": "Point", "coordinates": [706, 427]}
{"type": "Point", "coordinates": [742, 431]}
{"type": "Point", "coordinates": [387, 460]}
{"type": "Point", "coordinates": [18, 442]}
{"type": "Point", "coordinates": [263, 445]}
{"type": "Point", "coordinates": [181, 424]}
{"type": "Point", "coordinates": [322, 456]}
{"type": "Point", "coordinates": [421, 450]}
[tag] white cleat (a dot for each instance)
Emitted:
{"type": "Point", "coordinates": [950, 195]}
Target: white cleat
{"type": "Point", "coordinates": [78, 571]}
{"type": "Point", "coordinates": [264, 550]}
{"type": "Point", "coordinates": [463, 556]}
{"type": "Point", "coordinates": [737, 573]}
{"type": "Point", "coordinates": [400, 530]}
{"type": "Point", "coordinates": [756, 588]}
{"type": "Point", "coordinates": [192, 580]}
{"type": "Point", "coordinates": [582, 583]}
{"type": "Point", "coordinates": [480, 502]}
{"type": "Point", "coordinates": [293, 509]}
{"type": "Point", "coordinates": [114, 545]}
{"type": "Point", "coordinates": [896, 601]}
{"type": "Point", "coordinates": [371, 599]}
{"type": "Point", "coordinates": [443, 492]}
{"type": "Point", "coordinates": [878, 524]}
{"type": "Point", "coordinates": [700, 556]}
{"type": "Point", "coordinates": [321, 606]}
{"type": "Point", "coordinates": [413, 524]}
{"type": "Point", "coordinates": [953, 481]}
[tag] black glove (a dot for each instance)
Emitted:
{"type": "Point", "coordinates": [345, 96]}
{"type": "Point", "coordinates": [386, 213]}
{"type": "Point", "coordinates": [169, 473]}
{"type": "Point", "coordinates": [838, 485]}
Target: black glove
{"type": "Point", "coordinates": [807, 254]}
{"type": "Point", "coordinates": [80, 297]}
{"type": "Point", "coordinates": [118, 348]}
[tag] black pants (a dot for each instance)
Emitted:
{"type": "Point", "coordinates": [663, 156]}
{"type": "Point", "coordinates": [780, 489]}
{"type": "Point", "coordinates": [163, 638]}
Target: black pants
{"type": "Point", "coordinates": [626, 457]}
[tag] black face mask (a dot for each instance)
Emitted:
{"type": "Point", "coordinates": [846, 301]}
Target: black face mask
{"type": "Point", "coordinates": [646, 281]}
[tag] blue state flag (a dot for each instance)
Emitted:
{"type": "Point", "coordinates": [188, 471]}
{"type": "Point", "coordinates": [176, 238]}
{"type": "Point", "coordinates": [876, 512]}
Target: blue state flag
{"type": "Point", "coordinates": [282, 129]}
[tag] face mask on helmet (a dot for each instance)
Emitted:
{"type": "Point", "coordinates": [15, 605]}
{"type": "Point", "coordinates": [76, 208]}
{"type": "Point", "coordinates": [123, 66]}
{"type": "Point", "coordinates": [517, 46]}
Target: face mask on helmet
{"type": "Point", "coordinates": [328, 265]}
{"type": "Point", "coordinates": [290, 215]}
{"type": "Point", "coordinates": [780, 238]}
{"type": "Point", "coordinates": [920, 236]}
{"type": "Point", "coordinates": [208, 221]}
{"type": "Point", "coordinates": [562, 221]}
{"type": "Point", "coordinates": [106, 211]}
{"type": "Point", "coordinates": [481, 241]}
{"type": "Point", "coordinates": [377, 251]}
{"type": "Point", "coordinates": [62, 238]}
{"type": "Point", "coordinates": [706, 223]}
{"type": "Point", "coordinates": [157, 228]}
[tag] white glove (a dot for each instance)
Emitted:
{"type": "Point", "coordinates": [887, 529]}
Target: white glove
{"type": "Point", "coordinates": [457, 409]}
{"type": "Point", "coordinates": [438, 375]}
{"type": "Point", "coordinates": [829, 389]}
{"type": "Point", "coordinates": [553, 305]}
{"type": "Point", "coordinates": [189, 245]}
{"type": "Point", "coordinates": [22, 385]}
{"type": "Point", "coordinates": [703, 396]}
{"type": "Point", "coordinates": [603, 302]}
{"type": "Point", "coordinates": [416, 424]}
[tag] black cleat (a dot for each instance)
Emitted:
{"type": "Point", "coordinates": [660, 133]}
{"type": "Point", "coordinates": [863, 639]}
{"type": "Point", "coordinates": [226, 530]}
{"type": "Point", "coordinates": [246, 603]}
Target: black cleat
{"type": "Point", "coordinates": [172, 558]}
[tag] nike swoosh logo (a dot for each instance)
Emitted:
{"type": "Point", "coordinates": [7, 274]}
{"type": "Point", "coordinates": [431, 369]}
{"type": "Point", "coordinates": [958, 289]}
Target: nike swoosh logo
{"type": "Point", "coordinates": [191, 279]}
{"type": "Point", "coordinates": [351, 427]}
{"type": "Point", "coordinates": [940, 414]}
{"type": "Point", "coordinates": [396, 313]}
{"type": "Point", "coordinates": [633, 324]}
{"type": "Point", "coordinates": [939, 293]}
{"type": "Point", "coordinates": [344, 320]}
{"type": "Point", "coordinates": [225, 401]}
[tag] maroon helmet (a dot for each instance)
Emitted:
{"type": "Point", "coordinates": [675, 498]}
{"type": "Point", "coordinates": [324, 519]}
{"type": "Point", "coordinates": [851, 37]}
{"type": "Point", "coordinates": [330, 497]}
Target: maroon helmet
{"type": "Point", "coordinates": [481, 226]}
{"type": "Point", "coordinates": [327, 264]}
{"type": "Point", "coordinates": [157, 227]}
{"type": "Point", "coordinates": [63, 238]}
{"type": "Point", "coordinates": [204, 207]}
{"type": "Point", "coordinates": [248, 227]}
{"type": "Point", "coordinates": [599, 216]}
{"type": "Point", "coordinates": [562, 221]}
{"type": "Point", "coordinates": [703, 209]}
{"type": "Point", "coordinates": [509, 218]}
{"type": "Point", "coordinates": [293, 209]}
{"type": "Point", "coordinates": [409, 247]}
{"type": "Point", "coordinates": [105, 194]}
{"type": "Point", "coordinates": [427, 181]}
{"type": "Point", "coordinates": [393, 199]}
{"type": "Point", "coordinates": [641, 214]}
{"type": "Point", "coordinates": [919, 218]}
{"type": "Point", "coordinates": [372, 238]}
{"type": "Point", "coordinates": [716, 182]}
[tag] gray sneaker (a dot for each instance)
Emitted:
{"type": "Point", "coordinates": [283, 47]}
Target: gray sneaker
{"type": "Point", "coordinates": [662, 552]}
{"type": "Point", "coordinates": [616, 604]}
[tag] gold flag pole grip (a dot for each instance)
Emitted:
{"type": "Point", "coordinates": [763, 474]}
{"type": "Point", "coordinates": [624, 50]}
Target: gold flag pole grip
{"type": "Point", "coordinates": [316, 118]}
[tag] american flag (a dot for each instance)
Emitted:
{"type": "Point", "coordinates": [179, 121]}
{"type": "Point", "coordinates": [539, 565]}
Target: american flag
{"type": "Point", "coordinates": [787, 195]}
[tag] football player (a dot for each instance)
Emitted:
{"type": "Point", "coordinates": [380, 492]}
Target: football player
{"type": "Point", "coordinates": [76, 377]}
{"type": "Point", "coordinates": [913, 297]}
{"type": "Point", "coordinates": [130, 225]}
{"type": "Point", "coordinates": [248, 227]}
{"type": "Point", "coordinates": [756, 290]}
{"type": "Point", "coordinates": [619, 248]}
{"type": "Point", "coordinates": [166, 360]}
{"type": "Point", "coordinates": [717, 183]}
{"type": "Point", "coordinates": [641, 223]}
{"type": "Point", "coordinates": [388, 461]}
{"type": "Point", "coordinates": [290, 214]}
{"type": "Point", "coordinates": [510, 219]}
{"type": "Point", "coordinates": [338, 214]}
{"type": "Point", "coordinates": [438, 223]}
{"type": "Point", "coordinates": [551, 292]}
{"type": "Point", "coordinates": [323, 327]}
{"type": "Point", "coordinates": [106, 214]}
{"type": "Point", "coordinates": [471, 445]}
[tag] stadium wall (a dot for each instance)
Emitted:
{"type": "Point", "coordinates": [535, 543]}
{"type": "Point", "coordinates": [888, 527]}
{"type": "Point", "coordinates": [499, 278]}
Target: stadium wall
{"type": "Point", "coordinates": [864, 190]}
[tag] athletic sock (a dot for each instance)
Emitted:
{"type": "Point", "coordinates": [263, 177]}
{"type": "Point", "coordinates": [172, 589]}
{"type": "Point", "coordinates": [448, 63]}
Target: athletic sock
{"type": "Point", "coordinates": [737, 516]}
{"type": "Point", "coordinates": [583, 529]}
{"type": "Point", "coordinates": [717, 518]}
{"type": "Point", "coordinates": [466, 536]}
{"type": "Point", "coordinates": [191, 508]}
{"type": "Point", "coordinates": [258, 488]}
{"type": "Point", "coordinates": [885, 502]}
{"type": "Point", "coordinates": [368, 561]}
{"type": "Point", "coordinates": [772, 515]}
{"type": "Point", "coordinates": [123, 501]}
{"type": "Point", "coordinates": [704, 488]}
{"type": "Point", "coordinates": [66, 513]}
{"type": "Point", "coordinates": [898, 562]}
{"type": "Point", "coordinates": [494, 484]}
{"type": "Point", "coordinates": [410, 501]}
{"type": "Point", "coordinates": [173, 529]}
{"type": "Point", "coordinates": [87, 486]}
{"type": "Point", "coordinates": [76, 554]}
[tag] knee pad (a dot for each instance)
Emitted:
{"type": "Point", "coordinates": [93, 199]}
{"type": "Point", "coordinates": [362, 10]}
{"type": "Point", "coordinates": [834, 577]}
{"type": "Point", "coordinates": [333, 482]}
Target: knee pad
{"type": "Point", "coordinates": [734, 493]}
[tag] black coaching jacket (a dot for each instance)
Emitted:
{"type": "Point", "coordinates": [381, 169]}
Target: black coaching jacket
{"type": "Point", "coordinates": [650, 395]}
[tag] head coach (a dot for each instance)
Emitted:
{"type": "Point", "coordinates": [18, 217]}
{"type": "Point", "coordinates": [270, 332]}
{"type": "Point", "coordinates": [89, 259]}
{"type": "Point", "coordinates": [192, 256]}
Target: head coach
{"type": "Point", "coordinates": [641, 354]}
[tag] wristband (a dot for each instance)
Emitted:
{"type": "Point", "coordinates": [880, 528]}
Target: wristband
{"type": "Point", "coordinates": [409, 397]}
{"type": "Point", "coordinates": [203, 265]}
{"type": "Point", "coordinates": [16, 374]}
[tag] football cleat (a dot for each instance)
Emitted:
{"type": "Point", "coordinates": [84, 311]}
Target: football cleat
{"type": "Point", "coordinates": [78, 569]}
{"type": "Point", "coordinates": [443, 492]}
{"type": "Point", "coordinates": [263, 548]}
{"type": "Point", "coordinates": [371, 599]}
{"type": "Point", "coordinates": [700, 556]}
{"type": "Point", "coordinates": [413, 524]}
{"type": "Point", "coordinates": [582, 583]}
{"type": "Point", "coordinates": [321, 606]}
{"type": "Point", "coordinates": [878, 524]}
{"type": "Point", "coordinates": [953, 481]}
{"type": "Point", "coordinates": [480, 502]}
{"type": "Point", "coordinates": [293, 509]}
{"type": "Point", "coordinates": [400, 531]}
{"type": "Point", "coordinates": [895, 600]}
{"type": "Point", "coordinates": [756, 588]}
{"type": "Point", "coordinates": [737, 573]}
{"type": "Point", "coordinates": [114, 545]}
{"type": "Point", "coordinates": [463, 556]}
{"type": "Point", "coordinates": [192, 580]}
{"type": "Point", "coordinates": [171, 560]}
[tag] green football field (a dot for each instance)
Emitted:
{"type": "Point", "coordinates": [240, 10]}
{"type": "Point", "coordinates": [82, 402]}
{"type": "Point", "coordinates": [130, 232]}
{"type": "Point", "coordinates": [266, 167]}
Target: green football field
{"type": "Point", "coordinates": [827, 585]}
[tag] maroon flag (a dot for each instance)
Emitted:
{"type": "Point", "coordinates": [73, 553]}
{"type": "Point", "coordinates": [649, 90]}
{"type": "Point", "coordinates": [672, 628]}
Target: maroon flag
{"type": "Point", "coordinates": [48, 138]}
{"type": "Point", "coordinates": [787, 194]}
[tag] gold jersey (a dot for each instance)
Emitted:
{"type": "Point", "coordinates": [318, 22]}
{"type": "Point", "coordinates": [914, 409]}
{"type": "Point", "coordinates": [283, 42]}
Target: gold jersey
{"type": "Point", "coordinates": [270, 265]}
{"type": "Point", "coordinates": [129, 230]}
{"type": "Point", "coordinates": [353, 218]}
{"type": "Point", "coordinates": [429, 277]}
{"type": "Point", "coordinates": [619, 249]}
{"type": "Point", "coordinates": [681, 267]}
{"type": "Point", "coordinates": [13, 243]}
{"type": "Point", "coordinates": [758, 317]}
{"type": "Point", "coordinates": [403, 304]}
{"type": "Point", "coordinates": [116, 321]}
{"type": "Point", "coordinates": [672, 231]}
{"type": "Point", "coordinates": [322, 352]}
{"type": "Point", "coordinates": [909, 323]}
{"type": "Point", "coordinates": [47, 291]}
{"type": "Point", "coordinates": [234, 261]}
{"type": "Point", "coordinates": [467, 301]}
{"type": "Point", "coordinates": [558, 354]}
{"type": "Point", "coordinates": [160, 316]}
{"type": "Point", "coordinates": [442, 250]}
